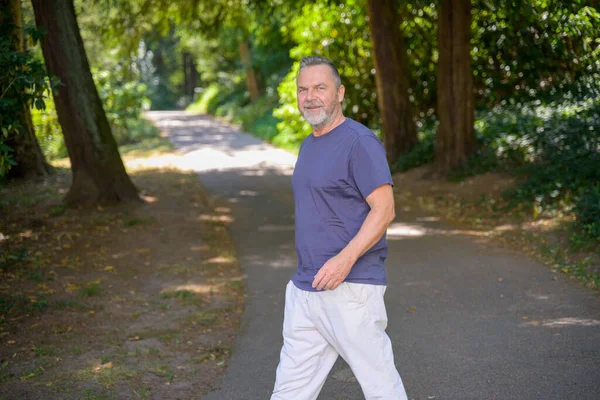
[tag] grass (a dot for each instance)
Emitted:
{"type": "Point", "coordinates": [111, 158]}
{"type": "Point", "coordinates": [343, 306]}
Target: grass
{"type": "Point", "coordinates": [179, 294]}
{"type": "Point", "coordinates": [147, 147]}
{"type": "Point", "coordinates": [163, 371]}
{"type": "Point", "coordinates": [93, 289]}
{"type": "Point", "coordinates": [43, 351]}
{"type": "Point", "coordinates": [21, 304]}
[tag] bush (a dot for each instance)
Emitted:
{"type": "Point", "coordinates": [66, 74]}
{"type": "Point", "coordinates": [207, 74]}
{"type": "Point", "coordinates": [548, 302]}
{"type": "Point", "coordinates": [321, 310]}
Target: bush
{"type": "Point", "coordinates": [587, 212]}
{"type": "Point", "coordinates": [48, 131]}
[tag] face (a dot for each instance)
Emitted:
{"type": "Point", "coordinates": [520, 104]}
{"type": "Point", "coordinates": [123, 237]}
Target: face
{"type": "Point", "coordinates": [318, 96]}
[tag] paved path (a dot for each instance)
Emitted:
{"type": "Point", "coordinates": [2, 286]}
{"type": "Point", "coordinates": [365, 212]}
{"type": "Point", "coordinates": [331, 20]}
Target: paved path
{"type": "Point", "coordinates": [467, 321]}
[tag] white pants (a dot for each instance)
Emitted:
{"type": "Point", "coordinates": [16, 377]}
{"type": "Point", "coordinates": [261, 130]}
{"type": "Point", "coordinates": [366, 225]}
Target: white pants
{"type": "Point", "coordinates": [318, 326]}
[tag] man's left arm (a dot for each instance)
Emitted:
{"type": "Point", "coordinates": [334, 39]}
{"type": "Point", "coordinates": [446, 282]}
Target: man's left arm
{"type": "Point", "coordinates": [337, 268]}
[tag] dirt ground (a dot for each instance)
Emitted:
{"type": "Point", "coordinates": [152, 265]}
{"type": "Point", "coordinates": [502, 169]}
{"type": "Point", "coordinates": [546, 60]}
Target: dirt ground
{"type": "Point", "coordinates": [127, 302]}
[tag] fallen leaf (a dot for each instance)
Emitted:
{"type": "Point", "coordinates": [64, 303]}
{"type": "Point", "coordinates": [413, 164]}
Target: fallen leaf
{"type": "Point", "coordinates": [11, 342]}
{"type": "Point", "coordinates": [143, 250]}
{"type": "Point", "coordinates": [109, 268]}
{"type": "Point", "coordinates": [71, 287]}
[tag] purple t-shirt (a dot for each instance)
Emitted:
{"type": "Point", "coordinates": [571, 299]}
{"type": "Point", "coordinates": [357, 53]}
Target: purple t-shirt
{"type": "Point", "coordinates": [333, 176]}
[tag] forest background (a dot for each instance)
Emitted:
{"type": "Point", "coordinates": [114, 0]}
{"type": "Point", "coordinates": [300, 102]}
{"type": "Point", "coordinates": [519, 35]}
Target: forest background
{"type": "Point", "coordinates": [466, 87]}
{"type": "Point", "coordinates": [489, 112]}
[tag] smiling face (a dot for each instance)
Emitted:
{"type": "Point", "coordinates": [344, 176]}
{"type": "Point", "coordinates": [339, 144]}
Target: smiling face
{"type": "Point", "coordinates": [319, 98]}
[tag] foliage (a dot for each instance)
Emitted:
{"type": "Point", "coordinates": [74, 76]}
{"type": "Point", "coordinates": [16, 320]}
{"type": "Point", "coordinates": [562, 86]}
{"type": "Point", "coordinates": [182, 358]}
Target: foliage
{"type": "Point", "coordinates": [123, 103]}
{"type": "Point", "coordinates": [340, 33]}
{"type": "Point", "coordinates": [48, 131]}
{"type": "Point", "coordinates": [422, 152]}
{"type": "Point", "coordinates": [532, 49]}
{"type": "Point", "coordinates": [22, 84]}
{"type": "Point", "coordinates": [587, 210]}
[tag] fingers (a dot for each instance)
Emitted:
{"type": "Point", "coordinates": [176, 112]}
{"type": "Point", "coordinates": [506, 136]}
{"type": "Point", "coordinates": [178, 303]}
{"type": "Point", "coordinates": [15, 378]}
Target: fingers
{"type": "Point", "coordinates": [318, 278]}
{"type": "Point", "coordinates": [325, 282]}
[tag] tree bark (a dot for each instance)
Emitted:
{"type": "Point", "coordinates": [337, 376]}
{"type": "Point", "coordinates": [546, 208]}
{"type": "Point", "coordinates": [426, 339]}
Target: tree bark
{"type": "Point", "coordinates": [98, 171]}
{"type": "Point", "coordinates": [190, 75]}
{"type": "Point", "coordinates": [252, 75]}
{"type": "Point", "coordinates": [27, 152]}
{"type": "Point", "coordinates": [455, 139]}
{"type": "Point", "coordinates": [389, 58]}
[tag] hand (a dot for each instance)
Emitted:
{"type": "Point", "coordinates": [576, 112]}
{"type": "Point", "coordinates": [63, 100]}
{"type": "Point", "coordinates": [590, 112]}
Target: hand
{"type": "Point", "coordinates": [332, 273]}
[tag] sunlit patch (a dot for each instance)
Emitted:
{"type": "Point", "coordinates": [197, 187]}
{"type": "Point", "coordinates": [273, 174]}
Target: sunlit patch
{"type": "Point", "coordinates": [149, 199]}
{"type": "Point", "coordinates": [100, 367]}
{"type": "Point", "coordinates": [565, 322]}
{"type": "Point", "coordinates": [506, 227]}
{"type": "Point", "coordinates": [250, 193]}
{"type": "Point", "coordinates": [223, 209]}
{"type": "Point", "coordinates": [428, 219]}
{"type": "Point", "coordinates": [275, 228]}
{"type": "Point", "coordinates": [220, 260]}
{"type": "Point", "coordinates": [203, 247]}
{"type": "Point", "coordinates": [192, 288]}
{"type": "Point", "coordinates": [216, 218]}
{"type": "Point", "coordinates": [404, 230]}
{"type": "Point", "coordinates": [256, 172]}
{"type": "Point", "coordinates": [570, 321]}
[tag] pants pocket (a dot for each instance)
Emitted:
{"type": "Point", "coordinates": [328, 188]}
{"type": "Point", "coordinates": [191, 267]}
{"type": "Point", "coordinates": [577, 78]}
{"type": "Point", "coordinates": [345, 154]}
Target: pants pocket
{"type": "Point", "coordinates": [357, 293]}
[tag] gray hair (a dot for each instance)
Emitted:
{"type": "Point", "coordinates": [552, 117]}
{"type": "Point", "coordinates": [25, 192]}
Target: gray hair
{"type": "Point", "coordinates": [318, 60]}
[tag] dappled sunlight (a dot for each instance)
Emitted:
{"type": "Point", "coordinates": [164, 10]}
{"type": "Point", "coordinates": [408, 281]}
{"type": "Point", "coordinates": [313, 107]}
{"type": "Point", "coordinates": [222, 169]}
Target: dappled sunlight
{"type": "Point", "coordinates": [170, 161]}
{"type": "Point", "coordinates": [221, 260]}
{"type": "Point", "coordinates": [219, 147]}
{"type": "Point", "coordinates": [564, 322]}
{"type": "Point", "coordinates": [276, 228]}
{"type": "Point", "coordinates": [398, 229]}
{"type": "Point", "coordinates": [149, 199]}
{"type": "Point", "coordinates": [427, 219]}
{"type": "Point", "coordinates": [203, 288]}
{"type": "Point", "coordinates": [216, 218]}
{"type": "Point", "coordinates": [283, 260]}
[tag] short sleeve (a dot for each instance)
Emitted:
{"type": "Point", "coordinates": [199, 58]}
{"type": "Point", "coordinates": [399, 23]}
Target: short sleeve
{"type": "Point", "coordinates": [368, 165]}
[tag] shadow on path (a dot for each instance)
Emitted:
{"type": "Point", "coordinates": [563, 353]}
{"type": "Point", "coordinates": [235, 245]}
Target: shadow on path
{"type": "Point", "coordinates": [467, 321]}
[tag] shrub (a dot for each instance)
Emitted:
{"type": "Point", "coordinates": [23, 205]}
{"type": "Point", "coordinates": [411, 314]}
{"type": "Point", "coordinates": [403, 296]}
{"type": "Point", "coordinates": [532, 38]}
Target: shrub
{"type": "Point", "coordinates": [587, 212]}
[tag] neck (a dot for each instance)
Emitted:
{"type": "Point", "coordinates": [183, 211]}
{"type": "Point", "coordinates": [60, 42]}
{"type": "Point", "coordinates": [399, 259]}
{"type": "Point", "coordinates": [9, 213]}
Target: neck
{"type": "Point", "coordinates": [328, 126]}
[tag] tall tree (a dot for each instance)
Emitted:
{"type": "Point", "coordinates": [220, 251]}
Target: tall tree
{"type": "Point", "coordinates": [27, 154]}
{"type": "Point", "coordinates": [389, 57]}
{"type": "Point", "coordinates": [253, 78]}
{"type": "Point", "coordinates": [98, 171]}
{"type": "Point", "coordinates": [455, 139]}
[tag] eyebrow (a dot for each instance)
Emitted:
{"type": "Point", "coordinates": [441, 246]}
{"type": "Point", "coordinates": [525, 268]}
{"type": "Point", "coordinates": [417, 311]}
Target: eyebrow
{"type": "Point", "coordinates": [315, 85]}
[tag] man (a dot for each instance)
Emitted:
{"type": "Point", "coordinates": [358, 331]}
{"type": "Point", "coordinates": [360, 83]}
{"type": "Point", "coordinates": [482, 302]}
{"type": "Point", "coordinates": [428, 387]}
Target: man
{"type": "Point", "coordinates": [343, 205]}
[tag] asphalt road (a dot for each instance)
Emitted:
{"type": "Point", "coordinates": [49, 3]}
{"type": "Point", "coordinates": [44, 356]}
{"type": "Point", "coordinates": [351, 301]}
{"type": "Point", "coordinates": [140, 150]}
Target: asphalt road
{"type": "Point", "coordinates": [468, 321]}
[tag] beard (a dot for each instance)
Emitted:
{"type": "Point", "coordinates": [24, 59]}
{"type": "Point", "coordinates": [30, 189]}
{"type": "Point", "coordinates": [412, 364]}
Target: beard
{"type": "Point", "coordinates": [317, 116]}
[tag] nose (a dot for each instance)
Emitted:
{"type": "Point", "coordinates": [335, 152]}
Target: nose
{"type": "Point", "coordinates": [310, 94]}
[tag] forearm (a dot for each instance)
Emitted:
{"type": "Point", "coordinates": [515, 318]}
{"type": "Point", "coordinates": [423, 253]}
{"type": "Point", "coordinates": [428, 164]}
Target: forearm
{"type": "Point", "coordinates": [372, 229]}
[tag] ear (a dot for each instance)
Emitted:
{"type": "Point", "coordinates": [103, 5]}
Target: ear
{"type": "Point", "coordinates": [341, 92]}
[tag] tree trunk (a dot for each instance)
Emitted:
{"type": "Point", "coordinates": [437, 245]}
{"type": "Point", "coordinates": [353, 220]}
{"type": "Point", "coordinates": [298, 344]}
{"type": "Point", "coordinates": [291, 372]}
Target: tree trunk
{"type": "Point", "coordinates": [252, 75]}
{"type": "Point", "coordinates": [27, 152]}
{"type": "Point", "coordinates": [190, 75]}
{"type": "Point", "coordinates": [389, 58]}
{"type": "Point", "coordinates": [455, 139]}
{"type": "Point", "coordinates": [98, 172]}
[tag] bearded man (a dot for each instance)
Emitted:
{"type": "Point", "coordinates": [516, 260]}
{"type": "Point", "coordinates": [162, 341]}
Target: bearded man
{"type": "Point", "coordinates": [343, 205]}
